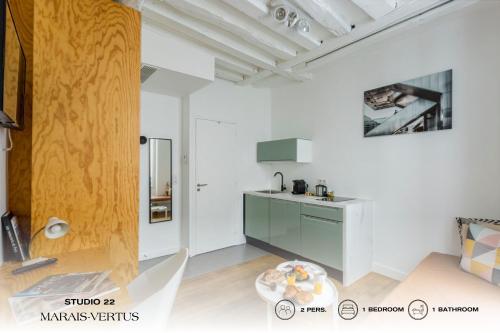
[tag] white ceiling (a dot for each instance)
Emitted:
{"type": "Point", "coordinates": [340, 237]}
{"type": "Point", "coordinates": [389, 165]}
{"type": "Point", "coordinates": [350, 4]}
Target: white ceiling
{"type": "Point", "coordinates": [250, 45]}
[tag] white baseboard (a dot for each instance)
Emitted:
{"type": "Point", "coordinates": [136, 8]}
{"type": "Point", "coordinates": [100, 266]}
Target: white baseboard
{"type": "Point", "coordinates": [389, 271]}
{"type": "Point", "coordinates": [240, 240]}
{"type": "Point", "coordinates": [157, 253]}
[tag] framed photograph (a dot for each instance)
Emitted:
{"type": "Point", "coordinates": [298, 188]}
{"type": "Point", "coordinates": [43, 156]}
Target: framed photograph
{"type": "Point", "coordinates": [419, 105]}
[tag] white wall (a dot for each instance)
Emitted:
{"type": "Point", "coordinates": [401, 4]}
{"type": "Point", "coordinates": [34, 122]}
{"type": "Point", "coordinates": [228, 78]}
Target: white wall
{"type": "Point", "coordinates": [419, 182]}
{"type": "Point", "coordinates": [3, 183]}
{"type": "Point", "coordinates": [160, 118]}
{"type": "Point", "coordinates": [249, 109]}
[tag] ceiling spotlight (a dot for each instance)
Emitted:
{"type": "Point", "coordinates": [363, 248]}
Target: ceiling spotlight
{"type": "Point", "coordinates": [303, 26]}
{"type": "Point", "coordinates": [293, 17]}
{"type": "Point", "coordinates": [288, 15]}
{"type": "Point", "coordinates": [280, 14]}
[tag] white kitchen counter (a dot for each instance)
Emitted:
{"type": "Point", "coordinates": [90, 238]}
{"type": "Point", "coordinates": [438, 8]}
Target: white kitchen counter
{"type": "Point", "coordinates": [307, 199]}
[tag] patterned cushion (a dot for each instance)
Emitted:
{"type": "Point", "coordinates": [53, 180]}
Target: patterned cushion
{"type": "Point", "coordinates": [481, 253]}
{"type": "Point", "coordinates": [464, 222]}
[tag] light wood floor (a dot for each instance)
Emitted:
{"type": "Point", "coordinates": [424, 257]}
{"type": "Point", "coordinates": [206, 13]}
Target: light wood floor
{"type": "Point", "coordinates": [226, 300]}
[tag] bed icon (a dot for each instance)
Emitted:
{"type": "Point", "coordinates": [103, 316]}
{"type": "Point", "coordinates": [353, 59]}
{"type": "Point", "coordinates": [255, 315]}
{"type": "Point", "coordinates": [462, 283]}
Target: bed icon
{"type": "Point", "coordinates": [348, 309]}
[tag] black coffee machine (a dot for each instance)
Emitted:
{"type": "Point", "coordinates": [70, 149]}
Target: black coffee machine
{"type": "Point", "coordinates": [299, 186]}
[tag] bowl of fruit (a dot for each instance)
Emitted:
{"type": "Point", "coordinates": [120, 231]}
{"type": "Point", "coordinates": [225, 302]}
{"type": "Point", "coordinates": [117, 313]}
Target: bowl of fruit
{"type": "Point", "coordinates": [299, 272]}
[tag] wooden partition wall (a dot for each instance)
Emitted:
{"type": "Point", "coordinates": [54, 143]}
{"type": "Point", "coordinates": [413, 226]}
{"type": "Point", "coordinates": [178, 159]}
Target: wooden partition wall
{"type": "Point", "coordinates": [82, 158]}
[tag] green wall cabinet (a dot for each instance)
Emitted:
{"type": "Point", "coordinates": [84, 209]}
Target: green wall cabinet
{"type": "Point", "coordinates": [285, 225]}
{"type": "Point", "coordinates": [295, 150]}
{"type": "Point", "coordinates": [321, 240]}
{"type": "Point", "coordinates": [257, 217]}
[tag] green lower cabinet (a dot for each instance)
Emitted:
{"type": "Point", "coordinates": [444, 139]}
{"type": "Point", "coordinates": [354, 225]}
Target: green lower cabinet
{"type": "Point", "coordinates": [322, 240]}
{"type": "Point", "coordinates": [257, 217]}
{"type": "Point", "coordinates": [285, 225]}
{"type": "Point", "coordinates": [280, 223]}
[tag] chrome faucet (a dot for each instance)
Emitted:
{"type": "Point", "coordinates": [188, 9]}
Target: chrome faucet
{"type": "Point", "coordinates": [283, 187]}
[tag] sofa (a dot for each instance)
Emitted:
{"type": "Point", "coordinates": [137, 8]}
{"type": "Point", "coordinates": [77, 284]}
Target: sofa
{"type": "Point", "coordinates": [452, 296]}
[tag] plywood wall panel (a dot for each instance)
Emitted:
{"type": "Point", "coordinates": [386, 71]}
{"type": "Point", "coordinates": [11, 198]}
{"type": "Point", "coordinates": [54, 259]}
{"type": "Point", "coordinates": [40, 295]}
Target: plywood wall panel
{"type": "Point", "coordinates": [86, 91]}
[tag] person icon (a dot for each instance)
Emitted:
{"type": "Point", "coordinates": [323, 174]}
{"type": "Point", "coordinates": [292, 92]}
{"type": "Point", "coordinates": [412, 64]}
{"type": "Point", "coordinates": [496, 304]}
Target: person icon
{"type": "Point", "coordinates": [284, 309]}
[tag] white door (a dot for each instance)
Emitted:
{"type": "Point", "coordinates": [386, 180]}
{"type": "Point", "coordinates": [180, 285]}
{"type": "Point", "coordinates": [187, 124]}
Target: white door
{"type": "Point", "coordinates": [216, 186]}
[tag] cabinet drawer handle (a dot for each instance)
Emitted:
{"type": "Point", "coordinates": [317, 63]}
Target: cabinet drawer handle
{"type": "Point", "coordinates": [320, 207]}
{"type": "Point", "coordinates": [320, 219]}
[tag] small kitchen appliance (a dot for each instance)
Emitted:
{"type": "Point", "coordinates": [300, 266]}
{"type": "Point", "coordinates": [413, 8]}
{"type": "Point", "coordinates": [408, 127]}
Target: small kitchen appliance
{"type": "Point", "coordinates": [299, 186]}
{"type": "Point", "coordinates": [321, 190]}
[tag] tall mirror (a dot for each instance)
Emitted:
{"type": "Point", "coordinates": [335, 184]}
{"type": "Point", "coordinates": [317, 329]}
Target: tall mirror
{"type": "Point", "coordinates": [160, 176]}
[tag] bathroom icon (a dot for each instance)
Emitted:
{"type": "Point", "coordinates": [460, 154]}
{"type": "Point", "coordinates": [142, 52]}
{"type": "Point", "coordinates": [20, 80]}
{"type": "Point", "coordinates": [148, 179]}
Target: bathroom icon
{"type": "Point", "coordinates": [418, 309]}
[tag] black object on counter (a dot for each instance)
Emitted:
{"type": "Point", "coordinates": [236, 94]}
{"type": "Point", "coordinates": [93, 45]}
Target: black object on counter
{"type": "Point", "coordinates": [299, 186]}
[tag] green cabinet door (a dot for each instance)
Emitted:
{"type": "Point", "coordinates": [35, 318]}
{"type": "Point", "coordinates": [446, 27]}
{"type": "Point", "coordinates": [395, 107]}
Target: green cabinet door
{"type": "Point", "coordinates": [285, 225]}
{"type": "Point", "coordinates": [277, 150]}
{"type": "Point", "coordinates": [327, 213]}
{"type": "Point", "coordinates": [257, 217]}
{"type": "Point", "coordinates": [321, 240]}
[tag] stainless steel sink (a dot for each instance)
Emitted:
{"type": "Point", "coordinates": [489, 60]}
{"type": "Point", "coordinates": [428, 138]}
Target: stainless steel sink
{"type": "Point", "coordinates": [268, 191]}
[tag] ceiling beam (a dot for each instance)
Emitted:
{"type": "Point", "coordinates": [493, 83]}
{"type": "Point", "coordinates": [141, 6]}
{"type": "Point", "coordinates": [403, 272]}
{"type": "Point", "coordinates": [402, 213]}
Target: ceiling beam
{"type": "Point", "coordinates": [228, 61]}
{"type": "Point", "coordinates": [203, 33]}
{"type": "Point", "coordinates": [253, 8]}
{"type": "Point", "coordinates": [376, 8]}
{"type": "Point", "coordinates": [401, 15]}
{"type": "Point", "coordinates": [227, 18]}
{"type": "Point", "coordinates": [257, 77]}
{"type": "Point", "coordinates": [264, 74]}
{"type": "Point", "coordinates": [263, 15]}
{"type": "Point", "coordinates": [232, 63]}
{"type": "Point", "coordinates": [324, 14]}
{"type": "Point", "coordinates": [227, 75]}
{"type": "Point", "coordinates": [406, 15]}
{"type": "Point", "coordinates": [168, 16]}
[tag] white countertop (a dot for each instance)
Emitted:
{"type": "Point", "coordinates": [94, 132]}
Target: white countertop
{"type": "Point", "coordinates": [307, 199]}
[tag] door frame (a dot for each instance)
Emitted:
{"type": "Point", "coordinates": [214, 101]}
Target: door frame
{"type": "Point", "coordinates": [193, 219]}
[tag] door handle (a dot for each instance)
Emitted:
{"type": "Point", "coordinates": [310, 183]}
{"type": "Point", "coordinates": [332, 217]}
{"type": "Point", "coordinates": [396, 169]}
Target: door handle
{"type": "Point", "coordinates": [198, 186]}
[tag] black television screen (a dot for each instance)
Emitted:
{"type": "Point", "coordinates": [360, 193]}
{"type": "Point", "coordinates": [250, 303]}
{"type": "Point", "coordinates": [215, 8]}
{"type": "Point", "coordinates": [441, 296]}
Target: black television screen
{"type": "Point", "coordinates": [12, 71]}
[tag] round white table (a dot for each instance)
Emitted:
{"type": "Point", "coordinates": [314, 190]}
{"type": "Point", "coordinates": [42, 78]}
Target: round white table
{"type": "Point", "coordinates": [327, 298]}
